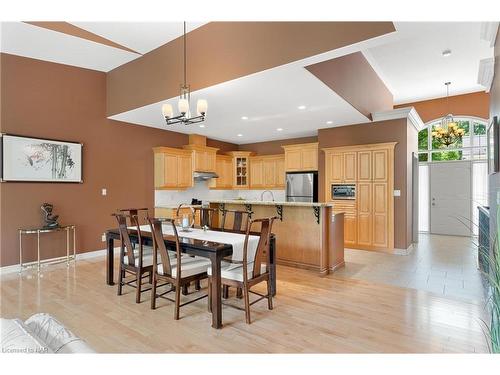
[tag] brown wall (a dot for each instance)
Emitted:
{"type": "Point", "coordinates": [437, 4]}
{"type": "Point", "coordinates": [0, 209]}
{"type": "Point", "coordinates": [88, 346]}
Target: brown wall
{"type": "Point", "coordinates": [274, 147]}
{"type": "Point", "coordinates": [494, 179]}
{"type": "Point", "coordinates": [350, 76]}
{"type": "Point", "coordinates": [43, 99]}
{"type": "Point", "coordinates": [475, 104]}
{"type": "Point", "coordinates": [379, 132]}
{"type": "Point", "coordinates": [222, 51]}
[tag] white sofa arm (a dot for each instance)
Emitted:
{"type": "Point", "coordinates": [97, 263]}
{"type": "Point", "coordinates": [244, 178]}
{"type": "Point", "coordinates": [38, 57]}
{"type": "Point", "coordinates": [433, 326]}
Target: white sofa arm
{"type": "Point", "coordinates": [56, 336]}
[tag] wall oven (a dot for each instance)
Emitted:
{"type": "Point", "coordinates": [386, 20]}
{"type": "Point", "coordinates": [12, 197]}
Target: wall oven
{"type": "Point", "coordinates": [344, 191]}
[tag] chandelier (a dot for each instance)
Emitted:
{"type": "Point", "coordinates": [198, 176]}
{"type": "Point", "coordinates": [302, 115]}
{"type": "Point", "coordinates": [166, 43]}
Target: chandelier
{"type": "Point", "coordinates": [184, 102]}
{"type": "Point", "coordinates": [447, 132]}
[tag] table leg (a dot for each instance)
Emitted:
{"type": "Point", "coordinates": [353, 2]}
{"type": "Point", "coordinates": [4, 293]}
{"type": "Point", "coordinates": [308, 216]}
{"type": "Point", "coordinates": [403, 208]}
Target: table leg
{"type": "Point", "coordinates": [38, 249]}
{"type": "Point", "coordinates": [67, 247]}
{"type": "Point", "coordinates": [74, 244]}
{"type": "Point", "coordinates": [216, 292]}
{"type": "Point", "coordinates": [109, 261]}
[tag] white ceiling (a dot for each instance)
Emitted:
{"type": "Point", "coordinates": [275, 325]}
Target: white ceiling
{"type": "Point", "coordinates": [269, 99]}
{"type": "Point", "coordinates": [412, 65]}
{"type": "Point", "coordinates": [141, 37]}
{"type": "Point", "coordinates": [22, 39]}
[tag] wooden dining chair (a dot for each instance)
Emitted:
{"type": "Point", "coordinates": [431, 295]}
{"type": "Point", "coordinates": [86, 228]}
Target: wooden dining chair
{"type": "Point", "coordinates": [137, 261]}
{"type": "Point", "coordinates": [240, 219]}
{"type": "Point", "coordinates": [252, 269]}
{"type": "Point", "coordinates": [207, 216]}
{"type": "Point", "coordinates": [190, 269]}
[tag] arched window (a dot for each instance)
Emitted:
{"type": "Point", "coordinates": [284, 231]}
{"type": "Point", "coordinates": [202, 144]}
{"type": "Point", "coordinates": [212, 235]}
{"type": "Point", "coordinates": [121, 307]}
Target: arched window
{"type": "Point", "coordinates": [472, 146]}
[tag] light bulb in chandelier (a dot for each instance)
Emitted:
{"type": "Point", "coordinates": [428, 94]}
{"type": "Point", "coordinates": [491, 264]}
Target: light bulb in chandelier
{"type": "Point", "coordinates": [201, 107]}
{"type": "Point", "coordinates": [167, 110]}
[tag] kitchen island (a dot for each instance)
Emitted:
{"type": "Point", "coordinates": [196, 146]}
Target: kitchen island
{"type": "Point", "coordinates": [308, 235]}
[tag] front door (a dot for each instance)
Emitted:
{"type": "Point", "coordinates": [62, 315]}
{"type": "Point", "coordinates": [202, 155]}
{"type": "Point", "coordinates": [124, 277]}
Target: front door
{"type": "Point", "coordinates": [450, 198]}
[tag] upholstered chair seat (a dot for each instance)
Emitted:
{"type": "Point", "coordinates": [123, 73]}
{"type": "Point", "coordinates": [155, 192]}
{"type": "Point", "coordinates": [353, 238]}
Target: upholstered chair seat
{"type": "Point", "coordinates": [233, 271]}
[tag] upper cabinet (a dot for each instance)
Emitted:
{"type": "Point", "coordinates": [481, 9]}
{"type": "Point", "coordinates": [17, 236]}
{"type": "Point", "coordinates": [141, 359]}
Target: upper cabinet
{"type": "Point", "coordinates": [224, 169]}
{"type": "Point", "coordinates": [241, 169]}
{"type": "Point", "coordinates": [204, 157]}
{"type": "Point", "coordinates": [173, 168]}
{"type": "Point", "coordinates": [301, 157]}
{"type": "Point", "coordinates": [267, 172]}
{"type": "Point", "coordinates": [342, 167]}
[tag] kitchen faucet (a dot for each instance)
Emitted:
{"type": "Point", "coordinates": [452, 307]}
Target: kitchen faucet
{"type": "Point", "coordinates": [266, 191]}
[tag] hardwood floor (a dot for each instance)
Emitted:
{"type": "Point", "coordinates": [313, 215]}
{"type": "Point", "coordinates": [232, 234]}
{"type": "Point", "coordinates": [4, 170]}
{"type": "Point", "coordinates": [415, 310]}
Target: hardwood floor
{"type": "Point", "coordinates": [329, 314]}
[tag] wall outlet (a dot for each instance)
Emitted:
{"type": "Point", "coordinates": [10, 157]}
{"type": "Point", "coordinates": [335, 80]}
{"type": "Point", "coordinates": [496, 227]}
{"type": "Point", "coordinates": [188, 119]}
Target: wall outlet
{"type": "Point", "coordinates": [104, 191]}
{"type": "Point", "coordinates": [103, 237]}
{"type": "Point", "coordinates": [397, 193]}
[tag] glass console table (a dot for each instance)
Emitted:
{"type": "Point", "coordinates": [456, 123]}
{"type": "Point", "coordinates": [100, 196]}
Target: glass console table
{"type": "Point", "coordinates": [38, 231]}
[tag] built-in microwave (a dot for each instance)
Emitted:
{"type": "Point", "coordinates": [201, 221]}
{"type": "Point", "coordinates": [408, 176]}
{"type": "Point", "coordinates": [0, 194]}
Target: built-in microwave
{"type": "Point", "coordinates": [343, 191]}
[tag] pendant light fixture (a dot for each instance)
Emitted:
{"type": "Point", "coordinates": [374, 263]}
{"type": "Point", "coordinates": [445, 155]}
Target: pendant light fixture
{"type": "Point", "coordinates": [447, 132]}
{"type": "Point", "coordinates": [184, 102]}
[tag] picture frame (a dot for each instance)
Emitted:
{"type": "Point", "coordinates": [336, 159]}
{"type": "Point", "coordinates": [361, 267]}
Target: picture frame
{"type": "Point", "coordinates": [493, 139]}
{"type": "Point", "coordinates": [32, 159]}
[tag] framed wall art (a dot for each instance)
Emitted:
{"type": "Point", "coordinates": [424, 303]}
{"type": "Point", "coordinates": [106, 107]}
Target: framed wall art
{"type": "Point", "coordinates": [40, 160]}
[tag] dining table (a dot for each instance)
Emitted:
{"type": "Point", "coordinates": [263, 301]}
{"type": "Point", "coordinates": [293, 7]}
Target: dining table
{"type": "Point", "coordinates": [198, 245]}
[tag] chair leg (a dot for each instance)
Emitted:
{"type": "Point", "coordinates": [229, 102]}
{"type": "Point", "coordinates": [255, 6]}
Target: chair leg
{"type": "Point", "coordinates": [153, 293]}
{"type": "Point", "coordinates": [120, 280]}
{"type": "Point", "coordinates": [225, 291]}
{"type": "Point", "coordinates": [269, 296]}
{"type": "Point", "coordinates": [177, 301]}
{"type": "Point", "coordinates": [247, 303]}
{"type": "Point", "coordinates": [210, 294]}
{"type": "Point", "coordinates": [185, 290]}
{"type": "Point", "coordinates": [239, 293]}
{"type": "Point", "coordinates": [197, 285]}
{"type": "Point", "coordinates": [138, 290]}
{"type": "Point", "coordinates": [151, 277]}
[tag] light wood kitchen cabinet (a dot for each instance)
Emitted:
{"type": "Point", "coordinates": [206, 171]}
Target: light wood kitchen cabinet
{"type": "Point", "coordinates": [280, 171]}
{"type": "Point", "coordinates": [267, 172]}
{"type": "Point", "coordinates": [369, 218]}
{"type": "Point", "coordinates": [364, 166]}
{"type": "Point", "coordinates": [364, 198]}
{"type": "Point", "coordinates": [336, 167]}
{"type": "Point", "coordinates": [301, 157]}
{"type": "Point", "coordinates": [173, 168]}
{"type": "Point", "coordinates": [224, 169]}
{"type": "Point", "coordinates": [240, 168]}
{"type": "Point", "coordinates": [256, 173]}
{"type": "Point", "coordinates": [204, 157]}
{"type": "Point", "coordinates": [343, 167]}
{"type": "Point", "coordinates": [350, 167]}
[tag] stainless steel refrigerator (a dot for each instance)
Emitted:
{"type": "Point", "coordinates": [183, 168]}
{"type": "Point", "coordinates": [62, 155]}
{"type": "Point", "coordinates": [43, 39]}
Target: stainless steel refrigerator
{"type": "Point", "coordinates": [302, 187]}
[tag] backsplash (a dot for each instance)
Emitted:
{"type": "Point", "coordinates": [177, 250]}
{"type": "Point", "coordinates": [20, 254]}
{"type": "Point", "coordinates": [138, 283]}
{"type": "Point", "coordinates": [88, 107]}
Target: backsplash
{"type": "Point", "coordinates": [201, 191]}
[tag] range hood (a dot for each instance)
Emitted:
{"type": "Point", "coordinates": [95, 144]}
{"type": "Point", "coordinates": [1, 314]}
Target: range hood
{"type": "Point", "coordinates": [203, 176]}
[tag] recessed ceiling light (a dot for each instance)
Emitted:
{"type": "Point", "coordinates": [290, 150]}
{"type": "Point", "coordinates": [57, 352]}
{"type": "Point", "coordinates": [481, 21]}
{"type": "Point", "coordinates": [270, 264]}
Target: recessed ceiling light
{"type": "Point", "coordinates": [447, 52]}
{"type": "Point", "coordinates": [329, 122]}
{"type": "Point", "coordinates": [240, 135]}
{"type": "Point", "coordinates": [279, 129]}
{"type": "Point", "coordinates": [202, 126]}
{"type": "Point", "coordinates": [301, 107]}
{"type": "Point", "coordinates": [244, 117]}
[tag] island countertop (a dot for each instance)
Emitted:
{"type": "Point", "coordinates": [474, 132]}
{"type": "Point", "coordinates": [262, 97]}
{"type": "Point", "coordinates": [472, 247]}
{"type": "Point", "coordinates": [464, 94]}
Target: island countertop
{"type": "Point", "coordinates": [271, 203]}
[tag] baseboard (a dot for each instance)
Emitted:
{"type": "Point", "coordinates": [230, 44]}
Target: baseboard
{"type": "Point", "coordinates": [407, 251]}
{"type": "Point", "coordinates": [81, 256]}
{"type": "Point", "coordinates": [335, 267]}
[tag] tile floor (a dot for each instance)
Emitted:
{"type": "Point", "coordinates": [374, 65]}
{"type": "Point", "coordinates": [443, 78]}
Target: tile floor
{"type": "Point", "coordinates": [444, 265]}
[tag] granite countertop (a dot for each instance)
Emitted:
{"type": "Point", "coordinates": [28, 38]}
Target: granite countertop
{"type": "Point", "coordinates": [176, 205]}
{"type": "Point", "coordinates": [272, 203]}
